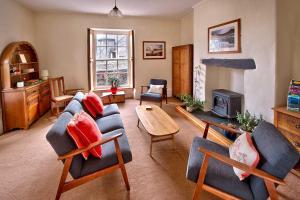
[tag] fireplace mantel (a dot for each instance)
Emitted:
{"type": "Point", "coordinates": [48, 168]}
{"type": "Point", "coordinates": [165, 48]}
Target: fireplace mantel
{"type": "Point", "coordinates": [231, 63]}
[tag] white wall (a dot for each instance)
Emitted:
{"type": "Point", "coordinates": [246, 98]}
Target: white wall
{"type": "Point", "coordinates": [258, 41]}
{"type": "Point", "coordinates": [62, 45]}
{"type": "Point", "coordinates": [288, 43]}
{"type": "Point", "coordinates": [16, 23]}
{"type": "Point", "coordinates": [187, 29]}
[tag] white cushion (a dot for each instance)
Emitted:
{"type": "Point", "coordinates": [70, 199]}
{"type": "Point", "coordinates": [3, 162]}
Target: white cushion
{"type": "Point", "coordinates": [243, 150]}
{"type": "Point", "coordinates": [156, 88]}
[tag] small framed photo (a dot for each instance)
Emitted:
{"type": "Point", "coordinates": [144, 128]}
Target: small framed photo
{"type": "Point", "coordinates": [23, 58]}
{"type": "Point", "coordinates": [225, 37]}
{"type": "Point", "coordinates": [154, 50]}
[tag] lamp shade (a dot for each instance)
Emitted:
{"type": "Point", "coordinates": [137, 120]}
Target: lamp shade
{"type": "Point", "coordinates": [44, 74]}
{"type": "Point", "coordinates": [115, 12]}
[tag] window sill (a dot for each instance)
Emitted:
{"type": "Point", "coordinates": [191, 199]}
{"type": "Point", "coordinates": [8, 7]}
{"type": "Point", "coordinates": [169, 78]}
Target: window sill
{"type": "Point", "coordinates": [107, 89]}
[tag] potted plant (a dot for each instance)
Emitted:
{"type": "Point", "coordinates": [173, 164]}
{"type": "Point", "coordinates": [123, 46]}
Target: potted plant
{"type": "Point", "coordinates": [191, 103]}
{"type": "Point", "coordinates": [247, 121]}
{"type": "Point", "coordinates": [115, 82]}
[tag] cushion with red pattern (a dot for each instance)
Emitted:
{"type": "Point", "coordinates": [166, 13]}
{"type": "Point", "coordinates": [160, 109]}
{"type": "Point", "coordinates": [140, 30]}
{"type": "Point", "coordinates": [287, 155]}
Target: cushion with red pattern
{"type": "Point", "coordinates": [84, 131]}
{"type": "Point", "coordinates": [93, 104]}
{"type": "Point", "coordinates": [243, 150]}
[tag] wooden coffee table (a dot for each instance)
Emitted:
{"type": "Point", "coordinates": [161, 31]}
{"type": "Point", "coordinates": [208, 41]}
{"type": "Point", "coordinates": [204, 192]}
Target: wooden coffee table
{"type": "Point", "coordinates": [158, 124]}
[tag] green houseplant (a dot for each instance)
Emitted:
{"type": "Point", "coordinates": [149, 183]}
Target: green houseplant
{"type": "Point", "coordinates": [115, 82]}
{"type": "Point", "coordinates": [191, 103]}
{"type": "Point", "coordinates": [248, 122]}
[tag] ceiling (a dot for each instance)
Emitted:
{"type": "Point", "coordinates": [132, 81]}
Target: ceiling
{"type": "Point", "coordinates": [153, 8]}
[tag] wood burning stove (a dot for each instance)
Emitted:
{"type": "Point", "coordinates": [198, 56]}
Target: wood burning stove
{"type": "Point", "coordinates": [226, 103]}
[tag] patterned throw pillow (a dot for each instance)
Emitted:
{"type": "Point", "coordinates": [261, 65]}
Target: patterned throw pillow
{"type": "Point", "coordinates": [243, 150]}
{"type": "Point", "coordinates": [156, 89]}
{"type": "Point", "coordinates": [84, 131]}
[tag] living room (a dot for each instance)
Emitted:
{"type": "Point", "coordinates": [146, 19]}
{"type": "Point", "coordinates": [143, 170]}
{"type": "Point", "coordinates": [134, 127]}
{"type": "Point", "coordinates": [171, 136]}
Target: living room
{"type": "Point", "coordinates": [67, 38]}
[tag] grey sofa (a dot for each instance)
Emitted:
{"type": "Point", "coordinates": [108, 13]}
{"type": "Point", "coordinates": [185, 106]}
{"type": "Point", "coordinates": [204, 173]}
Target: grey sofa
{"type": "Point", "coordinates": [277, 157]}
{"type": "Point", "coordinates": [114, 137]}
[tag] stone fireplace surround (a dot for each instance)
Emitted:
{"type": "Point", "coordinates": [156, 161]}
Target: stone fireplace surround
{"type": "Point", "coordinates": [214, 74]}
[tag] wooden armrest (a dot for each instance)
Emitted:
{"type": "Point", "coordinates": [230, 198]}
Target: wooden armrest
{"type": "Point", "coordinates": [68, 91]}
{"type": "Point", "coordinates": [242, 166]}
{"type": "Point", "coordinates": [142, 87]}
{"type": "Point", "coordinates": [222, 126]}
{"type": "Point", "coordinates": [79, 151]}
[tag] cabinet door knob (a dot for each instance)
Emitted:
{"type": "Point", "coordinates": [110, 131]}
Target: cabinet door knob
{"type": "Point", "coordinates": [298, 126]}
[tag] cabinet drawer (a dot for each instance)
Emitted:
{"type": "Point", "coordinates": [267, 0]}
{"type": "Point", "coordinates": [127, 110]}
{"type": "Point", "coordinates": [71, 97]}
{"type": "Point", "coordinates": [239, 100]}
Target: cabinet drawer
{"type": "Point", "coordinates": [33, 110]}
{"type": "Point", "coordinates": [44, 87]}
{"type": "Point", "coordinates": [32, 94]}
{"type": "Point", "coordinates": [289, 123]}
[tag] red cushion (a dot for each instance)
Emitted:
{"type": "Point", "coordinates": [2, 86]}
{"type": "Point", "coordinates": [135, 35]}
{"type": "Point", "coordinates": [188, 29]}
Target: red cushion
{"type": "Point", "coordinates": [84, 131]}
{"type": "Point", "coordinates": [73, 133]}
{"type": "Point", "coordinates": [93, 103]}
{"type": "Point", "coordinates": [243, 150]}
{"type": "Point", "coordinates": [89, 107]}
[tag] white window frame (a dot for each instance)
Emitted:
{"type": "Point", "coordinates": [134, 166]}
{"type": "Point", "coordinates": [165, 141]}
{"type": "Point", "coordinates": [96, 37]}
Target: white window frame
{"type": "Point", "coordinates": [92, 42]}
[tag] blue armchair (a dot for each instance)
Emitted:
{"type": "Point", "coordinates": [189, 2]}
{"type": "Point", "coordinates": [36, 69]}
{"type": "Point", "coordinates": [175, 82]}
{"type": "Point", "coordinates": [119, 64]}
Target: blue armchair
{"type": "Point", "coordinates": [210, 167]}
{"type": "Point", "coordinates": [147, 96]}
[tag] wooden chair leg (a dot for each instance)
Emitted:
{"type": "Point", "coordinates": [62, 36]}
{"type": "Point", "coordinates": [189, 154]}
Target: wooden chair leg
{"type": "Point", "coordinates": [121, 164]}
{"type": "Point", "coordinates": [201, 177]}
{"type": "Point", "coordinates": [63, 177]}
{"type": "Point", "coordinates": [161, 103]}
{"type": "Point", "coordinates": [271, 190]}
{"type": "Point", "coordinates": [140, 101]}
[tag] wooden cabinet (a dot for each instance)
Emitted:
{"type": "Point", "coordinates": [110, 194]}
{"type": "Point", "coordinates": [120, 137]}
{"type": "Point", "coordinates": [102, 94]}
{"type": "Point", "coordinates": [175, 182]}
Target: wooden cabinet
{"type": "Point", "coordinates": [182, 70]}
{"type": "Point", "coordinates": [288, 122]}
{"type": "Point", "coordinates": [108, 97]}
{"type": "Point", "coordinates": [22, 106]}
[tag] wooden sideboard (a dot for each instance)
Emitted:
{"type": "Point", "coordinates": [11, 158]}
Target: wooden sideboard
{"type": "Point", "coordinates": [24, 105]}
{"type": "Point", "coordinates": [288, 122]}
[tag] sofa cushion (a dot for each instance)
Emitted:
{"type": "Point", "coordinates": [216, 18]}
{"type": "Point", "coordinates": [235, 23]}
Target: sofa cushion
{"type": "Point", "coordinates": [74, 107]}
{"type": "Point", "coordinates": [110, 109]}
{"type": "Point", "coordinates": [62, 143]}
{"type": "Point", "coordinates": [109, 154]}
{"type": "Point", "coordinates": [218, 175]}
{"type": "Point", "coordinates": [277, 156]}
{"type": "Point", "coordinates": [109, 123]}
{"type": "Point", "coordinates": [84, 131]}
{"type": "Point", "coordinates": [151, 96]}
{"type": "Point", "coordinates": [79, 96]}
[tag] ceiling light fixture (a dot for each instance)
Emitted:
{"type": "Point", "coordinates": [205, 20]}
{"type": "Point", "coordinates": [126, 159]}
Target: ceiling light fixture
{"type": "Point", "coordinates": [115, 12]}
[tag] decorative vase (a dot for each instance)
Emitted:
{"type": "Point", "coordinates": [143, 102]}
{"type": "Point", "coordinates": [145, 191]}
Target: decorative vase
{"type": "Point", "coordinates": [114, 90]}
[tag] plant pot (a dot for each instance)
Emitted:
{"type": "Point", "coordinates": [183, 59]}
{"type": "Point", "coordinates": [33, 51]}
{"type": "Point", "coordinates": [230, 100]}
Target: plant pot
{"type": "Point", "coordinates": [113, 90]}
{"type": "Point", "coordinates": [189, 108]}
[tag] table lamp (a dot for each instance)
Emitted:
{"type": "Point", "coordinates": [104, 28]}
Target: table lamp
{"type": "Point", "coordinates": [44, 74]}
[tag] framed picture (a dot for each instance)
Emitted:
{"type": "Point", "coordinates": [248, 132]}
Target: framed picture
{"type": "Point", "coordinates": [23, 58]}
{"type": "Point", "coordinates": [154, 50]}
{"type": "Point", "coordinates": [225, 38]}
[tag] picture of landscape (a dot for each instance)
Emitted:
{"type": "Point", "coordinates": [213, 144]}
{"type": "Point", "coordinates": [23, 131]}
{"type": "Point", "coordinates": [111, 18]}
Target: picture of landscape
{"type": "Point", "coordinates": [225, 37]}
{"type": "Point", "coordinates": [154, 50]}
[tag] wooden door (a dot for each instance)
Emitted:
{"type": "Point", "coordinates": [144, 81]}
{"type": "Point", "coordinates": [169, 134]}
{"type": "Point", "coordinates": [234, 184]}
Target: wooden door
{"type": "Point", "coordinates": [186, 69]}
{"type": "Point", "coordinates": [176, 71]}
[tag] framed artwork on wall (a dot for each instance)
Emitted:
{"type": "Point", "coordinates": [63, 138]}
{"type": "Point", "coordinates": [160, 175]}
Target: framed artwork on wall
{"type": "Point", "coordinates": [225, 37]}
{"type": "Point", "coordinates": [154, 50]}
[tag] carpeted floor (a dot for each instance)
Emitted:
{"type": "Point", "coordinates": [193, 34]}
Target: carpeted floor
{"type": "Point", "coordinates": [29, 168]}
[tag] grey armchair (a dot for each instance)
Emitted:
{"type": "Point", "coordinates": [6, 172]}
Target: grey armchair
{"type": "Point", "coordinates": [210, 167]}
{"type": "Point", "coordinates": [154, 96]}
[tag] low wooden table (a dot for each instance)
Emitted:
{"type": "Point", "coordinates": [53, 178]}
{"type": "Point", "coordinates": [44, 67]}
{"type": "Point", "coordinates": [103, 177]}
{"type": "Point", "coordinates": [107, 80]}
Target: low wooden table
{"type": "Point", "coordinates": [108, 97]}
{"type": "Point", "coordinates": [158, 124]}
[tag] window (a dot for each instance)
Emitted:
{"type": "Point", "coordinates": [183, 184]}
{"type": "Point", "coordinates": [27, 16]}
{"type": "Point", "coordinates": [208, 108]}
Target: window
{"type": "Point", "coordinates": [111, 55]}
